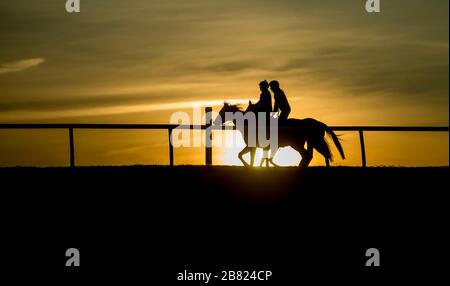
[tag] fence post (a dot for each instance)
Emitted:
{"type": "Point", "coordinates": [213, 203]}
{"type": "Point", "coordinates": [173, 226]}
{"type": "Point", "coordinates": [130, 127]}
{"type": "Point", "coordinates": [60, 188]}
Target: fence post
{"type": "Point", "coordinates": [72, 148]}
{"type": "Point", "coordinates": [208, 136]}
{"type": "Point", "coordinates": [363, 148]}
{"type": "Point", "coordinates": [170, 147]}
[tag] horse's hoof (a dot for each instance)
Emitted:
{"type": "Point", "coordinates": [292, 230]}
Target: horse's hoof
{"type": "Point", "coordinates": [273, 164]}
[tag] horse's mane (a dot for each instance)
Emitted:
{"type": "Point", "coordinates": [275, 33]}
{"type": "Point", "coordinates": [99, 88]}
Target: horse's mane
{"type": "Point", "coordinates": [235, 107]}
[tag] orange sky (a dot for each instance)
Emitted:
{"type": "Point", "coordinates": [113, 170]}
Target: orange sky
{"type": "Point", "coordinates": [123, 62]}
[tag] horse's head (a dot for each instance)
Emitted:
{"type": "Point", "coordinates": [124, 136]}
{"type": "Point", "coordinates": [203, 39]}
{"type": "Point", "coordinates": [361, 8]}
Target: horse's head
{"type": "Point", "coordinates": [220, 119]}
{"type": "Point", "coordinates": [251, 107]}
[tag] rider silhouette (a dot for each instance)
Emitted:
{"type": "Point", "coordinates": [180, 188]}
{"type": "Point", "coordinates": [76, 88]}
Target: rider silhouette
{"type": "Point", "coordinates": [265, 105]}
{"type": "Point", "coordinates": [281, 102]}
{"type": "Point", "coordinates": [265, 99]}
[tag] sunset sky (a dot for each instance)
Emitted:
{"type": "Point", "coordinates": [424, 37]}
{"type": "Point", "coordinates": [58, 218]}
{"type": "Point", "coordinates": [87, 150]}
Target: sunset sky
{"type": "Point", "coordinates": [139, 61]}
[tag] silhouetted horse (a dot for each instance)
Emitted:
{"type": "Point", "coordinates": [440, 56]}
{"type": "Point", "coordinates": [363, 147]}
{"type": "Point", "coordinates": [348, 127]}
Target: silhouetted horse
{"type": "Point", "coordinates": [294, 133]}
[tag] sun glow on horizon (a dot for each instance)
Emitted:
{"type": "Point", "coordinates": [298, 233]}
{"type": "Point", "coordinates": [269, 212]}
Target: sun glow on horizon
{"type": "Point", "coordinates": [233, 139]}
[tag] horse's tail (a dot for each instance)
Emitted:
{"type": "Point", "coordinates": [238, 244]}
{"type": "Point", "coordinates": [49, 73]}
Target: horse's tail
{"type": "Point", "coordinates": [336, 141]}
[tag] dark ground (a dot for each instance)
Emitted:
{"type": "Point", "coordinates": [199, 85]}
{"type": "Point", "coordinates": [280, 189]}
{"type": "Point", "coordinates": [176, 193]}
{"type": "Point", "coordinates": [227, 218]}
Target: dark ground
{"type": "Point", "coordinates": [149, 223]}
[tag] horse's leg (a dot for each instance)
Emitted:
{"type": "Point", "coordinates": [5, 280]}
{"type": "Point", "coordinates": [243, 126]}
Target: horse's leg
{"type": "Point", "coordinates": [306, 159]}
{"type": "Point", "coordinates": [307, 155]}
{"type": "Point", "coordinates": [242, 153]}
{"type": "Point", "coordinates": [303, 155]}
{"type": "Point", "coordinates": [270, 160]}
{"type": "Point", "coordinates": [322, 147]}
{"type": "Point", "coordinates": [273, 152]}
{"type": "Point", "coordinates": [264, 158]}
{"type": "Point", "coordinates": [252, 155]}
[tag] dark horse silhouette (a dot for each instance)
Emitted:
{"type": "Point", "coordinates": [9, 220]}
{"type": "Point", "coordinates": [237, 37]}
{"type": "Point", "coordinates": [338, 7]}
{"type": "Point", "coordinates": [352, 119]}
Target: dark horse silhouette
{"type": "Point", "coordinates": [294, 133]}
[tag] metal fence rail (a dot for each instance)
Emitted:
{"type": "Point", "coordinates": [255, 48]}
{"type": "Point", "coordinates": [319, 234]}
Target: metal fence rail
{"type": "Point", "coordinates": [208, 150]}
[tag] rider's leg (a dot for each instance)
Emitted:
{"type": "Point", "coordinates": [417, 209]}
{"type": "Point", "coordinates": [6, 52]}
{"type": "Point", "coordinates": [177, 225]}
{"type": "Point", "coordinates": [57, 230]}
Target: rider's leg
{"type": "Point", "coordinates": [284, 115]}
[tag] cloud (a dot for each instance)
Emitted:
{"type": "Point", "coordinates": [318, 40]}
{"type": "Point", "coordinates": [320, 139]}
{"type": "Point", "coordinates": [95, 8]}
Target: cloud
{"type": "Point", "coordinates": [211, 49]}
{"type": "Point", "coordinates": [112, 110]}
{"type": "Point", "coordinates": [20, 65]}
{"type": "Point", "coordinates": [233, 66]}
